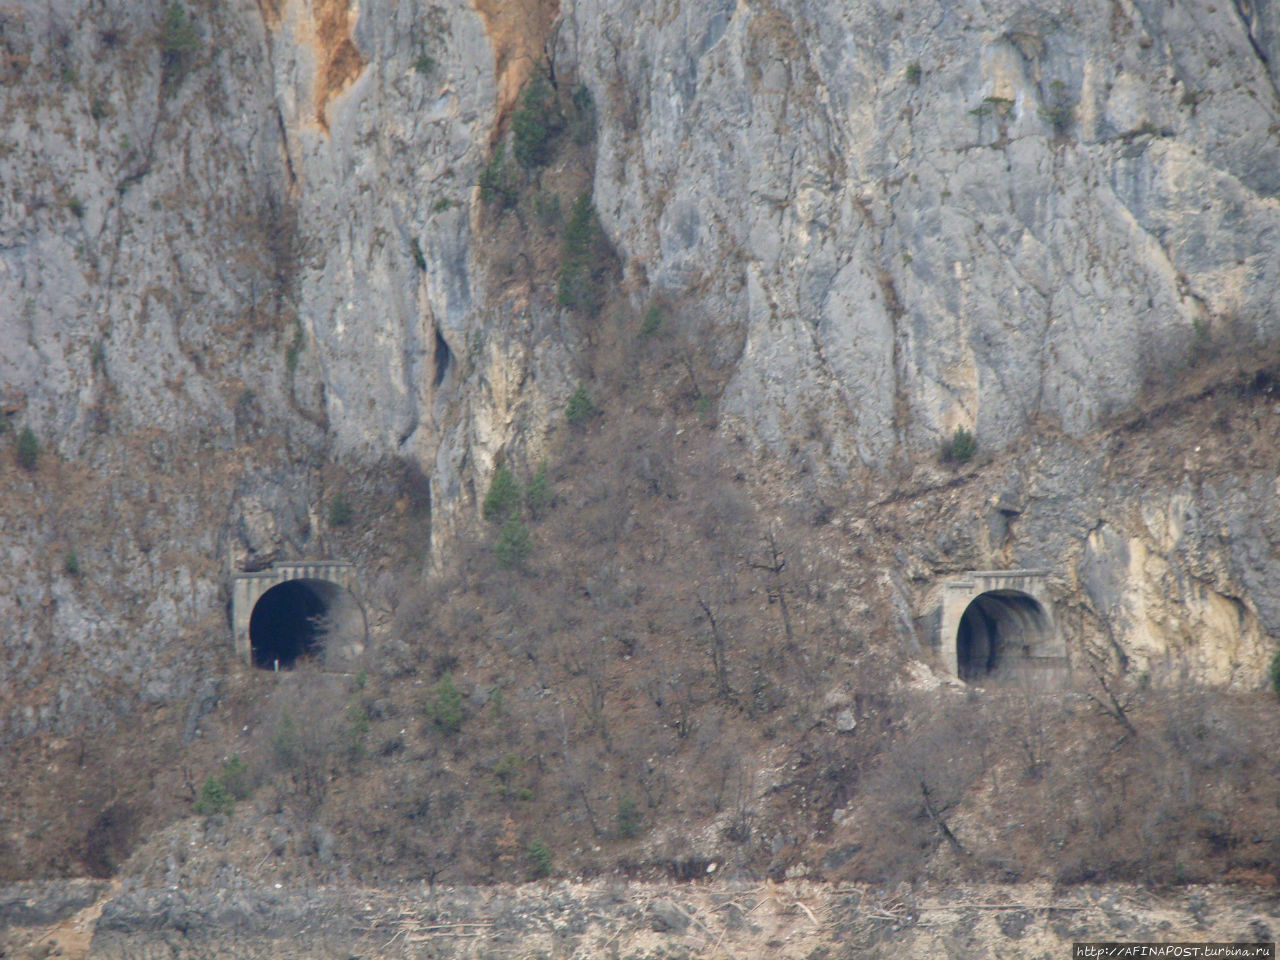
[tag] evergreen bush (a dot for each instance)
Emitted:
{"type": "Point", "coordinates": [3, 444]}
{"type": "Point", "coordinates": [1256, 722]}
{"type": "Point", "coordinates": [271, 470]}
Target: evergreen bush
{"type": "Point", "coordinates": [179, 43]}
{"type": "Point", "coordinates": [214, 797]}
{"type": "Point", "coordinates": [580, 407]}
{"type": "Point", "coordinates": [503, 499]}
{"type": "Point", "coordinates": [962, 447]}
{"type": "Point", "coordinates": [514, 544]}
{"type": "Point", "coordinates": [444, 706]}
{"type": "Point", "coordinates": [28, 449]}
{"type": "Point", "coordinates": [535, 124]}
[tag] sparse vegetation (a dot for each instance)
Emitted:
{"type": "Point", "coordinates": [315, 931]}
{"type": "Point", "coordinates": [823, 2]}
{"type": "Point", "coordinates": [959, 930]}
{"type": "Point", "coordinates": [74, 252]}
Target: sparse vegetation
{"type": "Point", "coordinates": [424, 64]}
{"type": "Point", "coordinates": [546, 206]}
{"type": "Point", "coordinates": [1275, 672]}
{"type": "Point", "coordinates": [294, 350]}
{"type": "Point", "coordinates": [914, 72]}
{"type": "Point", "coordinates": [583, 121]}
{"type": "Point", "coordinates": [71, 564]}
{"type": "Point", "coordinates": [235, 777]}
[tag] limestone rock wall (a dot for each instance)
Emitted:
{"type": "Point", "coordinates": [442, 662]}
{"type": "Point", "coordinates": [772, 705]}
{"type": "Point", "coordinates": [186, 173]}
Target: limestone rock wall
{"type": "Point", "coordinates": [911, 219]}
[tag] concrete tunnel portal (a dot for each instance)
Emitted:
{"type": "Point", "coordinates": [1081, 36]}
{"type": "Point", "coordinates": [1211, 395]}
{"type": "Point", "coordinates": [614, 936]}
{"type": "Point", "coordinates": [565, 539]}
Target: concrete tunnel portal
{"type": "Point", "coordinates": [998, 626]}
{"type": "Point", "coordinates": [298, 611]}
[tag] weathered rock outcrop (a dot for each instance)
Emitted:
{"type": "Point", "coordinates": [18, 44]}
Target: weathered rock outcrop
{"type": "Point", "coordinates": [748, 921]}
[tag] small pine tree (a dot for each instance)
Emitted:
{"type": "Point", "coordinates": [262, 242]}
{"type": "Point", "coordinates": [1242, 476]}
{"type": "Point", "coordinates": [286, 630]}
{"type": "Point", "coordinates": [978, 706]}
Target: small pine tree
{"type": "Point", "coordinates": [444, 707]}
{"type": "Point", "coordinates": [538, 494]}
{"type": "Point", "coordinates": [539, 856]}
{"type": "Point", "coordinates": [534, 124]}
{"type": "Point", "coordinates": [962, 447]}
{"type": "Point", "coordinates": [503, 498]}
{"type": "Point", "coordinates": [28, 449]}
{"type": "Point", "coordinates": [179, 43]}
{"type": "Point", "coordinates": [235, 777]}
{"type": "Point", "coordinates": [580, 408]}
{"type": "Point", "coordinates": [628, 818]}
{"type": "Point", "coordinates": [514, 543]}
{"type": "Point", "coordinates": [1275, 672]}
{"type": "Point", "coordinates": [583, 262]}
{"type": "Point", "coordinates": [339, 511]}
{"type": "Point", "coordinates": [214, 797]}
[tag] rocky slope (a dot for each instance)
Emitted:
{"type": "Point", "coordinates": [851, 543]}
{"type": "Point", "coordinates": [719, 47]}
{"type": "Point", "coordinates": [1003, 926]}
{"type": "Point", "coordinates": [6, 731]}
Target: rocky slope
{"type": "Point", "coordinates": [590, 920]}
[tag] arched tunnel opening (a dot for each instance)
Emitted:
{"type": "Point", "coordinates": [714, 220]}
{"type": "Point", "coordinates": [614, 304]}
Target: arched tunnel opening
{"type": "Point", "coordinates": [305, 619]}
{"type": "Point", "coordinates": [999, 633]}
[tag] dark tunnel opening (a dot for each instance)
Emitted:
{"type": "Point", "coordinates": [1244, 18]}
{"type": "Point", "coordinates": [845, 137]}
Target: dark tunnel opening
{"type": "Point", "coordinates": [998, 632]}
{"type": "Point", "coordinates": [292, 620]}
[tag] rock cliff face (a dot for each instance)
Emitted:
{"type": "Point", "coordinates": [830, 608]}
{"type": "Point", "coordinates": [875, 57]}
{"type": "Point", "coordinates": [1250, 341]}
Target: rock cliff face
{"type": "Point", "coordinates": [245, 241]}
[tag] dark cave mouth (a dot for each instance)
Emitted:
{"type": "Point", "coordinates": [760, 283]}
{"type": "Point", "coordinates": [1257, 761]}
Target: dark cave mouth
{"type": "Point", "coordinates": [999, 631]}
{"type": "Point", "coordinates": [301, 619]}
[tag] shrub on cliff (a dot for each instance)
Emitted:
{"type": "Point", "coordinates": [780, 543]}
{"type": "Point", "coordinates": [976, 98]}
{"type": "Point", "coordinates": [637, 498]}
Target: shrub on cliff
{"type": "Point", "coordinates": [179, 43]}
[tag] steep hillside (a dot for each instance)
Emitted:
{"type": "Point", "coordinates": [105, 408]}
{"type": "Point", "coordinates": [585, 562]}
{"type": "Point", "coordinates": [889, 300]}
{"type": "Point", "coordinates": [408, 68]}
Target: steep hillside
{"type": "Point", "coordinates": [762, 320]}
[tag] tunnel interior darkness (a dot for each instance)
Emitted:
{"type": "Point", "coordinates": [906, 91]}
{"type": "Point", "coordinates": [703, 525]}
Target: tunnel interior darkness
{"type": "Point", "coordinates": [302, 618]}
{"type": "Point", "coordinates": [999, 630]}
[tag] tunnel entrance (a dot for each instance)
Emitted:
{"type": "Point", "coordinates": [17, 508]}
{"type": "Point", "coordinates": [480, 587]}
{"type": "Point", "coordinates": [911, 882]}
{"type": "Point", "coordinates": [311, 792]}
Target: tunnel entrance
{"type": "Point", "coordinates": [304, 618]}
{"type": "Point", "coordinates": [1002, 635]}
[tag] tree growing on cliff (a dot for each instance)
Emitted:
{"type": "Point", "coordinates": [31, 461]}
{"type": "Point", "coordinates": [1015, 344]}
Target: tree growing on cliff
{"type": "Point", "coordinates": [535, 124]}
{"type": "Point", "coordinates": [179, 43]}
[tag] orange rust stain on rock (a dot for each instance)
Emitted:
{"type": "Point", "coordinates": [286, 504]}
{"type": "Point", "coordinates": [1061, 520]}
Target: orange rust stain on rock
{"type": "Point", "coordinates": [338, 61]}
{"type": "Point", "coordinates": [518, 33]}
{"type": "Point", "coordinates": [272, 12]}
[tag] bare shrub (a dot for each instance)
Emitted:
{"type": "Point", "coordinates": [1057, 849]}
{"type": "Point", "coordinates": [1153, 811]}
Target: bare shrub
{"type": "Point", "coordinates": [920, 783]}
